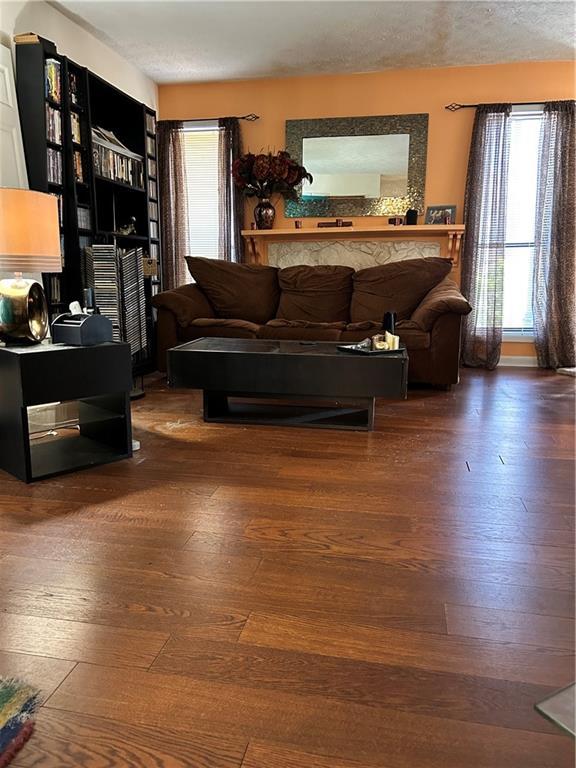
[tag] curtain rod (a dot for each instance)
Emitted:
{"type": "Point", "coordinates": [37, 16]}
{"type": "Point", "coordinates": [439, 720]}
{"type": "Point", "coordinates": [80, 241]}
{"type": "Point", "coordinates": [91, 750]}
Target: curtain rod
{"type": "Point", "coordinates": [250, 117]}
{"type": "Point", "coordinates": [455, 107]}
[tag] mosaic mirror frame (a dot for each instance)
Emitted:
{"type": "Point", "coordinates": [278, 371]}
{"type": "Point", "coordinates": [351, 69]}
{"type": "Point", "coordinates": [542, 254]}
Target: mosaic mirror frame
{"type": "Point", "coordinates": [416, 126]}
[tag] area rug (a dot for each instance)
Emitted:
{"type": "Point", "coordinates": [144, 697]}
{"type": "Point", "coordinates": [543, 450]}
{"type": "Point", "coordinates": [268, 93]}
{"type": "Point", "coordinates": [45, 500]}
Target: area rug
{"type": "Point", "coordinates": [18, 703]}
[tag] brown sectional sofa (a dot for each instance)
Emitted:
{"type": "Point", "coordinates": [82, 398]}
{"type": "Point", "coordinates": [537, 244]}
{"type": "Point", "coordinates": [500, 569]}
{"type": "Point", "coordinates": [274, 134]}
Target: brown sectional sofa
{"type": "Point", "coordinates": [322, 303]}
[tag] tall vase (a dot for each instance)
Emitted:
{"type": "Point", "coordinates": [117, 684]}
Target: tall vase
{"type": "Point", "coordinates": [264, 214]}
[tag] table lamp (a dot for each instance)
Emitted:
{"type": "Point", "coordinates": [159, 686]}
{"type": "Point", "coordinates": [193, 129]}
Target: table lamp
{"type": "Point", "coordinates": [29, 242]}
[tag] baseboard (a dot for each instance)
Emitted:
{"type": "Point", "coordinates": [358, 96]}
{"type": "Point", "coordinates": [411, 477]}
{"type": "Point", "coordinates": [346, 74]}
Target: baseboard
{"type": "Point", "coordinates": [518, 361]}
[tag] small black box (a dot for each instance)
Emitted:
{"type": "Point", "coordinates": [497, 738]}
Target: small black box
{"type": "Point", "coordinates": [81, 330]}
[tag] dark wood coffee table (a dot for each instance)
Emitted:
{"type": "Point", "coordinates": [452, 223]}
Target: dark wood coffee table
{"type": "Point", "coordinates": [287, 382]}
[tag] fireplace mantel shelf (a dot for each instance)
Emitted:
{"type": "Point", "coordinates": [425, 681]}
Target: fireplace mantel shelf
{"type": "Point", "coordinates": [449, 234]}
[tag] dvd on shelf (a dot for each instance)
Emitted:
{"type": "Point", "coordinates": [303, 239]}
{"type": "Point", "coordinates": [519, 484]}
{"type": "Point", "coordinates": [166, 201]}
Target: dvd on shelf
{"type": "Point", "coordinates": [152, 188]}
{"type": "Point", "coordinates": [54, 161]}
{"type": "Point", "coordinates": [78, 167]}
{"type": "Point", "coordinates": [60, 217]}
{"type": "Point", "coordinates": [53, 125]}
{"type": "Point", "coordinates": [73, 88]}
{"type": "Point", "coordinates": [115, 167]}
{"type": "Point", "coordinates": [151, 145]}
{"type": "Point", "coordinates": [52, 80]}
{"type": "Point", "coordinates": [114, 161]}
{"type": "Point", "coordinates": [84, 218]}
{"type": "Point", "coordinates": [150, 123]}
{"type": "Point", "coordinates": [75, 127]}
{"type": "Point", "coordinates": [151, 168]}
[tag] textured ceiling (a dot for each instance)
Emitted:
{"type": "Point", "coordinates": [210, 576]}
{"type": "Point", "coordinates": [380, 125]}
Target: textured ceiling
{"type": "Point", "coordinates": [203, 41]}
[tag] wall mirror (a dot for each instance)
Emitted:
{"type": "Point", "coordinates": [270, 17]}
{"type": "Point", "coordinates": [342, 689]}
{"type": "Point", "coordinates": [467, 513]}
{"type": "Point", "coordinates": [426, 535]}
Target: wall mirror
{"type": "Point", "coordinates": [362, 166]}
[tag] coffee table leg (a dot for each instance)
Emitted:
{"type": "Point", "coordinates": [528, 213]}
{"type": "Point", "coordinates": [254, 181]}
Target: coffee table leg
{"type": "Point", "coordinates": [215, 405]}
{"type": "Point", "coordinates": [370, 414]}
{"type": "Point", "coordinates": [358, 413]}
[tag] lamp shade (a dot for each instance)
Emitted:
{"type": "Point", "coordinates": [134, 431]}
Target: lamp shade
{"type": "Point", "coordinates": [29, 231]}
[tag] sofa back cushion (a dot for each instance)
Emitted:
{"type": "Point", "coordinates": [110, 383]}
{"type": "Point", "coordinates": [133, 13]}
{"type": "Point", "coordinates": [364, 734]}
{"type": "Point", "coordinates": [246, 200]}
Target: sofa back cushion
{"type": "Point", "coordinates": [239, 291]}
{"type": "Point", "coordinates": [396, 287]}
{"type": "Point", "coordinates": [320, 294]}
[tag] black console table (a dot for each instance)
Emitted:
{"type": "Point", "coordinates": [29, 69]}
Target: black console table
{"type": "Point", "coordinates": [98, 378]}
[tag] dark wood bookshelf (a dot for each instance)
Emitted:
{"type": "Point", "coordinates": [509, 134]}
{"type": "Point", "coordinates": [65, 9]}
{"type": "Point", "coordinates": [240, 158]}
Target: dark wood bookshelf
{"type": "Point", "coordinates": [93, 206]}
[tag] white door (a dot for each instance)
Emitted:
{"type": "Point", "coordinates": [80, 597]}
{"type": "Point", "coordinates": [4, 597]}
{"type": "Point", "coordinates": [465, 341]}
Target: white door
{"type": "Point", "coordinates": [12, 163]}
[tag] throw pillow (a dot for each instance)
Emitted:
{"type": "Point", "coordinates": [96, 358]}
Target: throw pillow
{"type": "Point", "coordinates": [239, 291]}
{"type": "Point", "coordinates": [396, 287]}
{"type": "Point", "coordinates": [320, 294]}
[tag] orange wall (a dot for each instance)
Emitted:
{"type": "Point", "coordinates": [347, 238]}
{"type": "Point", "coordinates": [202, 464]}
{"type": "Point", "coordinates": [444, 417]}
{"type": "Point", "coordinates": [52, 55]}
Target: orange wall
{"type": "Point", "coordinates": [379, 93]}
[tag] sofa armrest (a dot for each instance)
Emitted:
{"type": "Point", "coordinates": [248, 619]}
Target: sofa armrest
{"type": "Point", "coordinates": [187, 303]}
{"type": "Point", "coordinates": [444, 298]}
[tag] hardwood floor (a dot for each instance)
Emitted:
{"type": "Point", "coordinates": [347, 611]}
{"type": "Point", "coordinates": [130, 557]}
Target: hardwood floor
{"type": "Point", "coordinates": [256, 597]}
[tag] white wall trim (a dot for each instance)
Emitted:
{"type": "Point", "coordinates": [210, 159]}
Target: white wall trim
{"type": "Point", "coordinates": [518, 361]}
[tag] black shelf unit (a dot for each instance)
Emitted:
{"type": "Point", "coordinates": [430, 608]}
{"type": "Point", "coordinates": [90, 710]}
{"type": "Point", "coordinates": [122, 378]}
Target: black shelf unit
{"type": "Point", "coordinates": [93, 206]}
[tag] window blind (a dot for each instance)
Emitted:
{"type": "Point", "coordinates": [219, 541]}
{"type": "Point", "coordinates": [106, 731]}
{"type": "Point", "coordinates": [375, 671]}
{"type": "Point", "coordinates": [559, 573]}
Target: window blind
{"type": "Point", "coordinates": [202, 201]}
{"type": "Point", "coordinates": [520, 221]}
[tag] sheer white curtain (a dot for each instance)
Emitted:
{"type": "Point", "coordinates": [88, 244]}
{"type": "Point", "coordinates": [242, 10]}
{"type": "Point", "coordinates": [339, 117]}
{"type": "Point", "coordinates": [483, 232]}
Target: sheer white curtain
{"type": "Point", "coordinates": [555, 243]}
{"type": "Point", "coordinates": [485, 239]}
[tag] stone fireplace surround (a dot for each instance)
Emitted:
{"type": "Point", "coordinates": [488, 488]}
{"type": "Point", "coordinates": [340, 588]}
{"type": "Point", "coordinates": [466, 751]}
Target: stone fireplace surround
{"type": "Point", "coordinates": [357, 247]}
{"type": "Point", "coordinates": [351, 253]}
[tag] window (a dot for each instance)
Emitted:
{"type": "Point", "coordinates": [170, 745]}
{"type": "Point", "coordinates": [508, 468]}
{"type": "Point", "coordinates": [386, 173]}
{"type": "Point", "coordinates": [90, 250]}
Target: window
{"type": "Point", "coordinates": [201, 151]}
{"type": "Point", "coordinates": [520, 222]}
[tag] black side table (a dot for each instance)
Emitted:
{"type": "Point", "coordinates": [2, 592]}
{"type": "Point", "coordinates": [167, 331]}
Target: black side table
{"type": "Point", "coordinates": [99, 378]}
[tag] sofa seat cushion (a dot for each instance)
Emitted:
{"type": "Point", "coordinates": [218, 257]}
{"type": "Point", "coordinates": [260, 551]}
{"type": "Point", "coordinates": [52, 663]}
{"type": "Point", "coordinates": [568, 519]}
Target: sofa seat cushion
{"type": "Point", "coordinates": [249, 291]}
{"type": "Point", "coordinates": [396, 287]}
{"type": "Point", "coordinates": [301, 330]}
{"type": "Point", "coordinates": [193, 332]}
{"type": "Point", "coordinates": [369, 327]}
{"type": "Point", "coordinates": [319, 294]}
{"type": "Point", "coordinates": [226, 322]}
{"type": "Point", "coordinates": [279, 323]}
{"type": "Point", "coordinates": [215, 326]}
{"type": "Point", "coordinates": [355, 332]}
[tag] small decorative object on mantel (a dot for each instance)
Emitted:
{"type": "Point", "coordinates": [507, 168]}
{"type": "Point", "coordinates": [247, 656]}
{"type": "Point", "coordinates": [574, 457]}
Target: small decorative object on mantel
{"type": "Point", "coordinates": [440, 214]}
{"type": "Point", "coordinates": [336, 223]}
{"type": "Point", "coordinates": [262, 176]}
{"type": "Point", "coordinates": [412, 216]}
{"type": "Point", "coordinates": [396, 221]}
{"type": "Point", "coordinates": [298, 224]}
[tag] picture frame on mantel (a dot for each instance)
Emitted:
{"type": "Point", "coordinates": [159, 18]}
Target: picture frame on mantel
{"type": "Point", "coordinates": [440, 214]}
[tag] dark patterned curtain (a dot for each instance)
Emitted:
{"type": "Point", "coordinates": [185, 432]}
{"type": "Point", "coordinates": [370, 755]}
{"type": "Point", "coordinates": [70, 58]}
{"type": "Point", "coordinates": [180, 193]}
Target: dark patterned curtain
{"type": "Point", "coordinates": [555, 251]}
{"type": "Point", "coordinates": [231, 203]}
{"type": "Point", "coordinates": [485, 220]}
{"type": "Point", "coordinates": [173, 208]}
